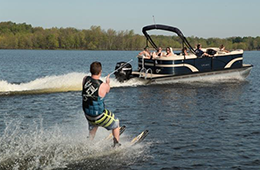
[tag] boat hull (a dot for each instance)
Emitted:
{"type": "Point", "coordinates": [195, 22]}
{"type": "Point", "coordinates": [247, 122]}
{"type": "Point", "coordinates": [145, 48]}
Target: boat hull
{"type": "Point", "coordinates": [213, 76]}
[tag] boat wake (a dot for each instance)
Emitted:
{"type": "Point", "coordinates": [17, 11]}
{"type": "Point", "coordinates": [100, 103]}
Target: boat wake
{"type": "Point", "coordinates": [56, 83]}
{"type": "Point", "coordinates": [73, 82]}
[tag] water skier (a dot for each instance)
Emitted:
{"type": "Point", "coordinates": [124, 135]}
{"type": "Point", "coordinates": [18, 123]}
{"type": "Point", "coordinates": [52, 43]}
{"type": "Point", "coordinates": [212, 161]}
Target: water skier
{"type": "Point", "coordinates": [93, 94]}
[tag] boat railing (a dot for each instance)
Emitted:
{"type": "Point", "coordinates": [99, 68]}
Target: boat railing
{"type": "Point", "coordinates": [143, 62]}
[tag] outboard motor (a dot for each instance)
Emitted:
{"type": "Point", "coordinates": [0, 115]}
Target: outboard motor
{"type": "Point", "coordinates": [123, 71]}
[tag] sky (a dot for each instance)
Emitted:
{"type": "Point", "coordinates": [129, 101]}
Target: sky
{"type": "Point", "coordinates": [199, 18]}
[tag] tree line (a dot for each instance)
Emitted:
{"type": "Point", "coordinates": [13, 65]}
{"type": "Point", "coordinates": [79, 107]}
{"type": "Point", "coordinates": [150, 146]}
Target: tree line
{"type": "Point", "coordinates": [24, 36]}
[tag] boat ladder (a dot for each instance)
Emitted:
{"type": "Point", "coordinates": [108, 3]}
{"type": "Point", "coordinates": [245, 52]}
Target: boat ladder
{"type": "Point", "coordinates": [147, 71]}
{"type": "Point", "coordinates": [144, 72]}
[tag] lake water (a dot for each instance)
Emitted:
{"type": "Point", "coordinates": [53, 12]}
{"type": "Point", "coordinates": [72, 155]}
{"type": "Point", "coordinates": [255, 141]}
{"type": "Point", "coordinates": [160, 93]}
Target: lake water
{"type": "Point", "coordinates": [202, 125]}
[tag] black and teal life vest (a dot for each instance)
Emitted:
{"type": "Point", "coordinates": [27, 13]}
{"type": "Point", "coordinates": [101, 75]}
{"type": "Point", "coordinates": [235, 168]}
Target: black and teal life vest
{"type": "Point", "coordinates": [93, 104]}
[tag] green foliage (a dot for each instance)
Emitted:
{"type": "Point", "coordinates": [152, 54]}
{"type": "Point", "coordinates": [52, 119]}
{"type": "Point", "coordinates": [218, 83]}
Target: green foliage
{"type": "Point", "coordinates": [24, 36]}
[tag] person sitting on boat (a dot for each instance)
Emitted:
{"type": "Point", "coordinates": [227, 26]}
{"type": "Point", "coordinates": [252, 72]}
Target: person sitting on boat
{"type": "Point", "coordinates": [222, 49]}
{"type": "Point", "coordinates": [184, 51]}
{"type": "Point", "coordinates": [169, 52]}
{"type": "Point", "coordinates": [145, 53]}
{"type": "Point", "coordinates": [158, 53]}
{"type": "Point", "coordinates": [199, 52]}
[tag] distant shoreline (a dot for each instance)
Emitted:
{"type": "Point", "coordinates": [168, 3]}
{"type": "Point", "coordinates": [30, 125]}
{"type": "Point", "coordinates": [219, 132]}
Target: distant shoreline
{"type": "Point", "coordinates": [24, 36]}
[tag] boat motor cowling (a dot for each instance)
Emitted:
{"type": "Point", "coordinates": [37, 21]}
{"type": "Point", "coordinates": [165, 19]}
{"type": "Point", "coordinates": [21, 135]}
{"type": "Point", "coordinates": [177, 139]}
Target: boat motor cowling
{"type": "Point", "coordinates": [123, 71]}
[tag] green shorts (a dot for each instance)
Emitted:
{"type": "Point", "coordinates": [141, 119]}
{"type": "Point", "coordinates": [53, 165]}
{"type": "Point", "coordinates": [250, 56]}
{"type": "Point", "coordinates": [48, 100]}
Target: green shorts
{"type": "Point", "coordinates": [107, 120]}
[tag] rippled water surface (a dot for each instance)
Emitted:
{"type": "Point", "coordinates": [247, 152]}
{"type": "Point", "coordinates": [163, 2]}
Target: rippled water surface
{"type": "Point", "coordinates": [196, 125]}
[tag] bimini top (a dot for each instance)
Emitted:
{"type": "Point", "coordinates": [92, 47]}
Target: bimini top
{"type": "Point", "coordinates": [165, 28]}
